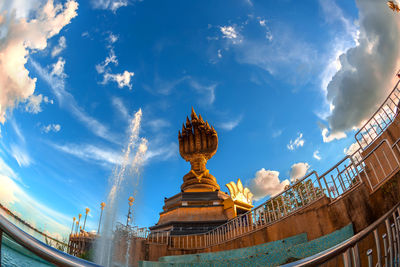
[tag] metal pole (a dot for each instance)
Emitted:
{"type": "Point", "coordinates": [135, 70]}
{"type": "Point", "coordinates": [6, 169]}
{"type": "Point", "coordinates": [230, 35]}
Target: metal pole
{"type": "Point", "coordinates": [84, 223]}
{"type": "Point", "coordinates": [73, 223]}
{"type": "Point", "coordinates": [101, 214]}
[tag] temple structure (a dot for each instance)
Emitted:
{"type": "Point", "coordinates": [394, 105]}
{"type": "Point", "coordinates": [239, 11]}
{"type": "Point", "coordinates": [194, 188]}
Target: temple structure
{"type": "Point", "coordinates": [200, 206]}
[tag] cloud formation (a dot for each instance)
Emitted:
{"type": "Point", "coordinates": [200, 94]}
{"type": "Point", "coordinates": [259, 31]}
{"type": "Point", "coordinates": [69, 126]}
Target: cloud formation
{"type": "Point", "coordinates": [316, 155]}
{"type": "Point", "coordinates": [20, 155]}
{"type": "Point", "coordinates": [367, 70]}
{"type": "Point", "coordinates": [229, 32]}
{"type": "Point", "coordinates": [33, 103]}
{"type": "Point", "coordinates": [21, 36]}
{"type": "Point", "coordinates": [62, 44]}
{"type": "Point", "coordinates": [55, 78]}
{"type": "Point", "coordinates": [230, 125]}
{"type": "Point", "coordinates": [122, 79]}
{"type": "Point", "coordinates": [267, 183]}
{"type": "Point", "coordinates": [296, 143]}
{"type": "Point", "coordinates": [112, 5]}
{"type": "Point", "coordinates": [51, 128]}
{"type": "Point", "coordinates": [298, 170]}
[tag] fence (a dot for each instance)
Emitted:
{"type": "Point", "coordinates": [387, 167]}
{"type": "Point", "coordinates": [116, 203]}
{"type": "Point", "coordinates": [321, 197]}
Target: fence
{"type": "Point", "coordinates": [380, 120]}
{"type": "Point", "coordinates": [385, 233]}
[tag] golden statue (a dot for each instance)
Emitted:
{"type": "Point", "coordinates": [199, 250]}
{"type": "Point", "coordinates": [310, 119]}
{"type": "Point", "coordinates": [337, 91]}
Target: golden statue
{"type": "Point", "coordinates": [198, 142]}
{"type": "Point", "coordinates": [240, 193]}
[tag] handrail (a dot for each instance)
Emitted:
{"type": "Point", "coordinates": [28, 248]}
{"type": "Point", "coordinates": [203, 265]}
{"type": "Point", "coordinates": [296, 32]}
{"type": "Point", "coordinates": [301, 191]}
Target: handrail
{"type": "Point", "coordinates": [367, 127]}
{"type": "Point", "coordinates": [39, 248]}
{"type": "Point", "coordinates": [5, 209]}
{"type": "Point", "coordinates": [334, 251]}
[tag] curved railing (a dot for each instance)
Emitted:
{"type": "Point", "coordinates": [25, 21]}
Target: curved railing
{"type": "Point", "coordinates": [50, 239]}
{"type": "Point", "coordinates": [381, 119]}
{"type": "Point", "coordinates": [39, 248]}
{"type": "Point", "coordinates": [387, 247]}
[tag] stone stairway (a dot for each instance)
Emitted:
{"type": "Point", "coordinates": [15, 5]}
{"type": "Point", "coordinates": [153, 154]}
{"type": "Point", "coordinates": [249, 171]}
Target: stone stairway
{"type": "Point", "coordinates": [268, 254]}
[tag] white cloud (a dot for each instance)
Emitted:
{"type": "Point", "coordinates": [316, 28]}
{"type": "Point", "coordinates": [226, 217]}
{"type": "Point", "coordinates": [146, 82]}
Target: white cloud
{"type": "Point", "coordinates": [51, 128]}
{"type": "Point", "coordinates": [17, 130]}
{"type": "Point", "coordinates": [67, 101]}
{"type": "Point", "coordinates": [111, 58]}
{"type": "Point", "coordinates": [122, 79]}
{"type": "Point", "coordinates": [275, 55]}
{"type": "Point", "coordinates": [92, 153]}
{"type": "Point", "coordinates": [267, 182]}
{"type": "Point", "coordinates": [316, 155]}
{"type": "Point", "coordinates": [112, 38]}
{"type": "Point", "coordinates": [119, 105]}
{"type": "Point", "coordinates": [277, 133]}
{"type": "Point", "coordinates": [329, 137]}
{"type": "Point", "coordinates": [230, 125]}
{"type": "Point", "coordinates": [21, 36]}
{"type": "Point", "coordinates": [112, 5]}
{"type": "Point", "coordinates": [7, 171]}
{"type": "Point", "coordinates": [20, 155]}
{"type": "Point", "coordinates": [219, 53]}
{"type": "Point", "coordinates": [358, 87]}
{"type": "Point", "coordinates": [157, 124]}
{"type": "Point", "coordinates": [351, 149]}
{"type": "Point", "coordinates": [298, 142]}
{"type": "Point", "coordinates": [57, 69]}
{"type": "Point", "coordinates": [298, 170]}
{"type": "Point", "coordinates": [263, 23]}
{"type": "Point", "coordinates": [33, 103]}
{"type": "Point", "coordinates": [62, 44]}
{"type": "Point", "coordinates": [208, 90]}
{"type": "Point", "coordinates": [229, 32]}
{"type": "Point", "coordinates": [162, 153]}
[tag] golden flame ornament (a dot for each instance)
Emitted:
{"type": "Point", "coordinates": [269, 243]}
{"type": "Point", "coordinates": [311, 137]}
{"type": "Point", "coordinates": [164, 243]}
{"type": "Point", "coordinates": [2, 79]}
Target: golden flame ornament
{"type": "Point", "coordinates": [240, 193]}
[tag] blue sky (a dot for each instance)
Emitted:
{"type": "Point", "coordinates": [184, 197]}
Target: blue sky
{"type": "Point", "coordinates": [284, 83]}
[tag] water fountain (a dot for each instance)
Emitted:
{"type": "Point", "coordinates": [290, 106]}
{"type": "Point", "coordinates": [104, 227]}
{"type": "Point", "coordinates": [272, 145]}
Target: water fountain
{"type": "Point", "coordinates": [127, 171]}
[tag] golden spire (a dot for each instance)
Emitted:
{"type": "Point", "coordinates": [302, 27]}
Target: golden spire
{"type": "Point", "coordinates": [198, 142]}
{"type": "Point", "coordinates": [193, 115]}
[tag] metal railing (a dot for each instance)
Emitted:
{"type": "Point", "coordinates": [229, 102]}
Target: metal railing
{"type": "Point", "coordinates": [386, 245]}
{"type": "Point", "coordinates": [302, 193]}
{"type": "Point", "coordinates": [39, 248]}
{"type": "Point", "coordinates": [343, 176]}
{"type": "Point", "coordinates": [380, 120]}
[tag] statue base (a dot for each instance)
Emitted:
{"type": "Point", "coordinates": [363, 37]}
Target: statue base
{"type": "Point", "coordinates": [192, 212]}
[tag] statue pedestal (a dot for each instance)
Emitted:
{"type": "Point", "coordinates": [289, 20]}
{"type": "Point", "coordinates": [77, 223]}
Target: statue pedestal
{"type": "Point", "coordinates": [192, 212]}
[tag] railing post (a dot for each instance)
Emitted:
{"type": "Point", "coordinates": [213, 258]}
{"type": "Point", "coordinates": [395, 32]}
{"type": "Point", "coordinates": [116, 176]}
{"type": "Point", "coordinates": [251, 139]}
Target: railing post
{"type": "Point", "coordinates": [356, 256]}
{"type": "Point", "coordinates": [378, 247]}
{"type": "Point", "coordinates": [346, 258]}
{"type": "Point", "coordinates": [395, 249]}
{"type": "Point", "coordinates": [327, 188]}
{"type": "Point", "coordinates": [369, 255]}
{"type": "Point", "coordinates": [389, 233]}
{"type": "Point", "coordinates": [384, 236]}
